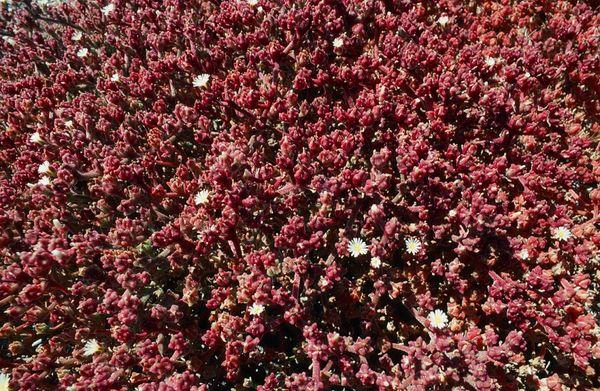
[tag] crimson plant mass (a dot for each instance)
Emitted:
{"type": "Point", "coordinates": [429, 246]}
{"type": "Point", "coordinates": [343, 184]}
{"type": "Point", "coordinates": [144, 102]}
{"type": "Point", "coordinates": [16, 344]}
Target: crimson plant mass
{"type": "Point", "coordinates": [299, 195]}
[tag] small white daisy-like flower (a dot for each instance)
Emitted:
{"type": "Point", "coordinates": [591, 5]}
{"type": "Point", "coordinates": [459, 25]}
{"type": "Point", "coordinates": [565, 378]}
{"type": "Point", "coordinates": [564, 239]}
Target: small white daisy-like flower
{"type": "Point", "coordinates": [115, 77]}
{"type": "Point", "coordinates": [437, 319]}
{"type": "Point", "coordinates": [201, 197]}
{"type": "Point", "coordinates": [256, 309]}
{"type": "Point", "coordinates": [44, 181]}
{"type": "Point", "coordinates": [357, 247]}
{"type": "Point", "coordinates": [412, 245]}
{"type": "Point", "coordinates": [338, 42]}
{"type": "Point", "coordinates": [252, 3]}
{"type": "Point", "coordinates": [375, 262]}
{"type": "Point", "coordinates": [44, 168]}
{"type": "Point", "coordinates": [108, 9]}
{"type": "Point", "coordinates": [9, 40]}
{"type": "Point", "coordinates": [82, 53]}
{"type": "Point", "coordinates": [490, 61]}
{"type": "Point", "coordinates": [443, 20]}
{"type": "Point", "coordinates": [562, 234]}
{"type": "Point", "coordinates": [36, 138]}
{"type": "Point", "coordinates": [4, 382]}
{"type": "Point", "coordinates": [77, 35]}
{"type": "Point", "coordinates": [201, 81]}
{"type": "Point", "coordinates": [323, 282]}
{"type": "Point", "coordinates": [91, 347]}
{"type": "Point", "coordinates": [57, 254]}
{"type": "Point", "coordinates": [524, 254]}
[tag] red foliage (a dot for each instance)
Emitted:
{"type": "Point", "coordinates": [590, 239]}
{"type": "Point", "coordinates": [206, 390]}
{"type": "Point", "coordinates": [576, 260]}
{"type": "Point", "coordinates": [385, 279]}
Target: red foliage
{"type": "Point", "coordinates": [210, 162]}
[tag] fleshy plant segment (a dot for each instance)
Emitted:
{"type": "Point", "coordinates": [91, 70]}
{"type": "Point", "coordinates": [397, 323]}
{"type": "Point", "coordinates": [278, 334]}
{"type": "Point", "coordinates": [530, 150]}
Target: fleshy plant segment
{"type": "Point", "coordinates": [299, 195]}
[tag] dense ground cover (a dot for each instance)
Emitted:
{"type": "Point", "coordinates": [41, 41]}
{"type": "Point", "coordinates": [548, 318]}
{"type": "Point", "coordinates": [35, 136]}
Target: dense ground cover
{"type": "Point", "coordinates": [315, 194]}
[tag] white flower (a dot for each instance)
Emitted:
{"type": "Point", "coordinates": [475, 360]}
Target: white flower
{"type": "Point", "coordinates": [115, 77]}
{"type": "Point", "coordinates": [490, 62]}
{"type": "Point", "coordinates": [256, 309]}
{"type": "Point", "coordinates": [338, 42]}
{"type": "Point", "coordinates": [44, 168]}
{"type": "Point", "coordinates": [44, 181]}
{"type": "Point", "coordinates": [108, 9]}
{"type": "Point", "coordinates": [57, 254]}
{"type": "Point", "coordinates": [323, 282]}
{"type": "Point", "coordinates": [443, 20]}
{"type": "Point", "coordinates": [252, 3]}
{"type": "Point", "coordinates": [562, 234]}
{"type": "Point", "coordinates": [4, 381]}
{"type": "Point", "coordinates": [36, 138]}
{"type": "Point", "coordinates": [412, 245]}
{"type": "Point", "coordinates": [91, 347]}
{"type": "Point", "coordinates": [357, 247]}
{"type": "Point", "coordinates": [201, 81]}
{"type": "Point", "coordinates": [437, 319]}
{"type": "Point", "coordinates": [83, 52]}
{"type": "Point", "coordinates": [68, 123]}
{"type": "Point", "coordinates": [77, 35]}
{"type": "Point", "coordinates": [375, 262]}
{"type": "Point", "coordinates": [524, 254]}
{"type": "Point", "coordinates": [201, 197]}
{"type": "Point", "coordinates": [9, 40]}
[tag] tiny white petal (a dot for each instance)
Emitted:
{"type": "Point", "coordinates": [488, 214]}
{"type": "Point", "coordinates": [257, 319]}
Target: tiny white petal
{"type": "Point", "coordinates": [256, 309]}
{"type": "Point", "coordinates": [83, 52]}
{"type": "Point", "coordinates": [562, 234]}
{"type": "Point", "coordinates": [437, 319]}
{"type": "Point", "coordinates": [252, 3]}
{"type": "Point", "coordinates": [443, 20]}
{"type": "Point", "coordinates": [201, 81]}
{"type": "Point", "coordinates": [4, 381]}
{"type": "Point", "coordinates": [338, 42]}
{"type": "Point", "coordinates": [57, 254]}
{"type": "Point", "coordinates": [524, 254]}
{"type": "Point", "coordinates": [115, 77]}
{"type": "Point", "coordinates": [36, 138]}
{"type": "Point", "coordinates": [44, 181]}
{"type": "Point", "coordinates": [357, 247]}
{"type": "Point", "coordinates": [68, 123]}
{"type": "Point", "coordinates": [108, 9]}
{"type": "Point", "coordinates": [44, 168]}
{"type": "Point", "coordinates": [490, 62]}
{"type": "Point", "coordinates": [201, 197]}
{"type": "Point", "coordinates": [375, 262]}
{"type": "Point", "coordinates": [9, 40]}
{"type": "Point", "coordinates": [412, 246]}
{"type": "Point", "coordinates": [91, 347]}
{"type": "Point", "coordinates": [77, 35]}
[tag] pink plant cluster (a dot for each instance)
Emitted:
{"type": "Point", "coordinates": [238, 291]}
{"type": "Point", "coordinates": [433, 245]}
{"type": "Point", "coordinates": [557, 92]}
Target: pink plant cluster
{"type": "Point", "coordinates": [301, 195]}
